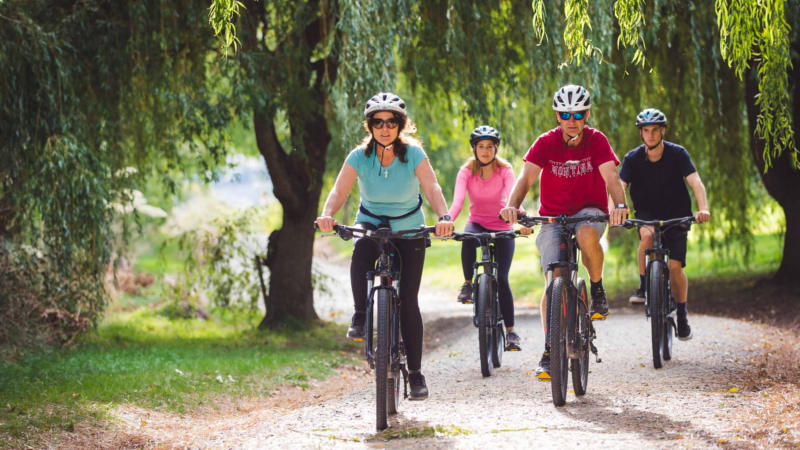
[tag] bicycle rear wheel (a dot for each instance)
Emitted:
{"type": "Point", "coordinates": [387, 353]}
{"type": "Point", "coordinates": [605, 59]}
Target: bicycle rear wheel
{"type": "Point", "coordinates": [658, 321]}
{"type": "Point", "coordinates": [485, 325]}
{"type": "Point", "coordinates": [382, 358]}
{"type": "Point", "coordinates": [558, 340]}
{"type": "Point", "coordinates": [580, 364]}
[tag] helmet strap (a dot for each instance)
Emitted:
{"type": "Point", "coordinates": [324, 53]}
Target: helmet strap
{"type": "Point", "coordinates": [475, 152]}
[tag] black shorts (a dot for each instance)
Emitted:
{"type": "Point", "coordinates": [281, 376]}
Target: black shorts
{"type": "Point", "coordinates": [674, 240]}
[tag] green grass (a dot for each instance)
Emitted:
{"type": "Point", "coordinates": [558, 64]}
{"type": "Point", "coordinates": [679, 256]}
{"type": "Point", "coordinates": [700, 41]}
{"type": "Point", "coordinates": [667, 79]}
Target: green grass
{"type": "Point", "coordinates": [443, 265]}
{"type": "Point", "coordinates": [144, 359]}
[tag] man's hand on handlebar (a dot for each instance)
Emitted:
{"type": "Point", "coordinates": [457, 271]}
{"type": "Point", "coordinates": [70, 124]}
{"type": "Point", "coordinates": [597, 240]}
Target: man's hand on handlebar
{"type": "Point", "coordinates": [509, 214]}
{"type": "Point", "coordinates": [702, 216]}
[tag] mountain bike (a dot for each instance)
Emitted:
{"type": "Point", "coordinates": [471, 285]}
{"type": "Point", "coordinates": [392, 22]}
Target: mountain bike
{"type": "Point", "coordinates": [486, 307]}
{"type": "Point", "coordinates": [659, 303]}
{"type": "Point", "coordinates": [569, 329]}
{"type": "Point", "coordinates": [383, 344]}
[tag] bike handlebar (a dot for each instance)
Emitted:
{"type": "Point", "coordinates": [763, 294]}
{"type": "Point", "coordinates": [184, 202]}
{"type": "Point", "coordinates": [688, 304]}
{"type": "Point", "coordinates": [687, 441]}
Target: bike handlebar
{"type": "Point", "coordinates": [630, 223]}
{"type": "Point", "coordinates": [346, 232]}
{"type": "Point", "coordinates": [563, 219]}
{"type": "Point", "coordinates": [506, 234]}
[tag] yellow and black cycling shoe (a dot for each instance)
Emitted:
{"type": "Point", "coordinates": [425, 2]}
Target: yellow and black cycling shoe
{"type": "Point", "coordinates": [512, 342]}
{"type": "Point", "coordinates": [543, 371]}
{"type": "Point", "coordinates": [599, 309]}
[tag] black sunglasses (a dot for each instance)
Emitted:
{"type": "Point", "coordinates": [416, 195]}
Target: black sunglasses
{"type": "Point", "coordinates": [577, 115]}
{"type": "Point", "coordinates": [379, 123]}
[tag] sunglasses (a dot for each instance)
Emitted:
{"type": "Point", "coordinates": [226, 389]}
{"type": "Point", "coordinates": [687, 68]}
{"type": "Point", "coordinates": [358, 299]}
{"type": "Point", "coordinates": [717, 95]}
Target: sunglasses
{"type": "Point", "coordinates": [379, 123]}
{"type": "Point", "coordinates": [577, 115]}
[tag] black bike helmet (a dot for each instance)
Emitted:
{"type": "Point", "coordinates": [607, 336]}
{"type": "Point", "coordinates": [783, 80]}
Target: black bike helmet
{"type": "Point", "coordinates": [484, 132]}
{"type": "Point", "coordinates": [651, 116]}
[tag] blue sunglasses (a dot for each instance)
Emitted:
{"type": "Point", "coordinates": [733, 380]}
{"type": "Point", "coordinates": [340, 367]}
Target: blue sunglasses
{"type": "Point", "coordinates": [577, 115]}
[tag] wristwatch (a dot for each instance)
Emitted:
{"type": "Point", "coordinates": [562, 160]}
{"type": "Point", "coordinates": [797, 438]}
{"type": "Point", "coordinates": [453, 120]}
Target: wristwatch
{"type": "Point", "coordinates": [446, 217]}
{"type": "Point", "coordinates": [622, 206]}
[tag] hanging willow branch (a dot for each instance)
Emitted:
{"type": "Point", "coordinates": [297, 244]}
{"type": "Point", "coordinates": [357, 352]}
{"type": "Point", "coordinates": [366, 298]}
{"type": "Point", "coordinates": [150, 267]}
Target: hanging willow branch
{"type": "Point", "coordinates": [576, 15]}
{"type": "Point", "coordinates": [538, 20]}
{"type": "Point", "coordinates": [630, 15]}
{"type": "Point", "coordinates": [757, 30]}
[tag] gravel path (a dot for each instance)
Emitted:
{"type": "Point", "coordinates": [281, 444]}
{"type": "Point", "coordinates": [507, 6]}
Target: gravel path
{"type": "Point", "coordinates": [628, 405]}
{"type": "Point", "coordinates": [694, 401]}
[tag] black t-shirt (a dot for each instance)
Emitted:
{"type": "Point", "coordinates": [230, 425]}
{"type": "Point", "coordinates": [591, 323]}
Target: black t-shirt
{"type": "Point", "coordinates": [658, 189]}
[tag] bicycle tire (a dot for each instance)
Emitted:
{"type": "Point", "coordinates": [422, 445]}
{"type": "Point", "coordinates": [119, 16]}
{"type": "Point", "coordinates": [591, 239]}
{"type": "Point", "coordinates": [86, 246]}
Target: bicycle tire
{"type": "Point", "coordinates": [393, 386]}
{"type": "Point", "coordinates": [558, 342]}
{"type": "Point", "coordinates": [669, 333]}
{"type": "Point", "coordinates": [382, 358]}
{"type": "Point", "coordinates": [498, 338]}
{"type": "Point", "coordinates": [485, 325]}
{"type": "Point", "coordinates": [580, 365]}
{"type": "Point", "coordinates": [657, 319]}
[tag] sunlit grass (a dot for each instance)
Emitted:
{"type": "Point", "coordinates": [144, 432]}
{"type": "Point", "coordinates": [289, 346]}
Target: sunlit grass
{"type": "Point", "coordinates": [144, 359]}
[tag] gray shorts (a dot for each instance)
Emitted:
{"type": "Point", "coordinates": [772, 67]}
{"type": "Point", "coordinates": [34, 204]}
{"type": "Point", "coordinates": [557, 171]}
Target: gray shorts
{"type": "Point", "coordinates": [548, 239]}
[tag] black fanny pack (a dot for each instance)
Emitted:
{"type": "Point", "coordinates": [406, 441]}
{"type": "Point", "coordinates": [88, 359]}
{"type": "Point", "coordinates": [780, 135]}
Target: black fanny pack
{"type": "Point", "coordinates": [385, 219]}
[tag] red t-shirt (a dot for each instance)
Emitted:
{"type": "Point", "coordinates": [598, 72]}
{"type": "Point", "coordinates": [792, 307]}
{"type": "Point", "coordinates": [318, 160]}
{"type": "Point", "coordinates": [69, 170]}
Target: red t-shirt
{"type": "Point", "coordinates": [570, 178]}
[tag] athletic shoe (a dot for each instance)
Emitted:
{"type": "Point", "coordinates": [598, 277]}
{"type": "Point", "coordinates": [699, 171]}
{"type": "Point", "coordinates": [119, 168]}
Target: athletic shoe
{"type": "Point", "coordinates": [637, 298]}
{"type": "Point", "coordinates": [543, 371]}
{"type": "Point", "coordinates": [599, 309]}
{"type": "Point", "coordinates": [356, 330]}
{"type": "Point", "coordinates": [419, 391]}
{"type": "Point", "coordinates": [465, 295]}
{"type": "Point", "coordinates": [684, 330]}
{"type": "Point", "coordinates": [512, 342]}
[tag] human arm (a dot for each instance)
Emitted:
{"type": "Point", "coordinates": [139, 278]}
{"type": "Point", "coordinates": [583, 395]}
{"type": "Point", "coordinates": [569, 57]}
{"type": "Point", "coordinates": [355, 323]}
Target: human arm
{"type": "Point", "coordinates": [608, 170]}
{"type": "Point", "coordinates": [459, 193]}
{"type": "Point", "coordinates": [528, 176]}
{"type": "Point", "coordinates": [699, 190]}
{"type": "Point", "coordinates": [336, 198]}
{"type": "Point", "coordinates": [433, 192]}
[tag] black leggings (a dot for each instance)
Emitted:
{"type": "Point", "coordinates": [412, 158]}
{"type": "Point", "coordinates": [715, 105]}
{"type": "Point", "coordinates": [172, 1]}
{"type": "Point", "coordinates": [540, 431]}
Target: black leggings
{"type": "Point", "coordinates": [503, 254]}
{"type": "Point", "coordinates": [412, 253]}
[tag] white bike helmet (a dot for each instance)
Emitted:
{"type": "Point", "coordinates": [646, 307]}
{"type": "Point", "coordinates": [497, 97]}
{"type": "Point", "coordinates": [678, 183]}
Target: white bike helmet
{"type": "Point", "coordinates": [572, 98]}
{"type": "Point", "coordinates": [385, 101]}
{"type": "Point", "coordinates": [651, 116]}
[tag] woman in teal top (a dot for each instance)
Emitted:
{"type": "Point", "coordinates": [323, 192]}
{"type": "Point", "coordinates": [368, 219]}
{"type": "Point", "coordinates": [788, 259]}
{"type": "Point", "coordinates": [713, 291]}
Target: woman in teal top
{"type": "Point", "coordinates": [390, 166]}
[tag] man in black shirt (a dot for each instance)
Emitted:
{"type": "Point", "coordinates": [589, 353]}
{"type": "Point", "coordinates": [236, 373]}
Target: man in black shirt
{"type": "Point", "coordinates": [655, 172]}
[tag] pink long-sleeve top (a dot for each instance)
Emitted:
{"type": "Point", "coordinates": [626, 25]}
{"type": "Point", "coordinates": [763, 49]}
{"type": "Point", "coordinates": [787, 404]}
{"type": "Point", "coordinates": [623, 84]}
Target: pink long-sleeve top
{"type": "Point", "coordinates": [486, 197]}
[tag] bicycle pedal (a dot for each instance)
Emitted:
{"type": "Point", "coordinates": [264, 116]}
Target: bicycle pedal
{"type": "Point", "coordinates": [357, 339]}
{"type": "Point", "coordinates": [544, 376]}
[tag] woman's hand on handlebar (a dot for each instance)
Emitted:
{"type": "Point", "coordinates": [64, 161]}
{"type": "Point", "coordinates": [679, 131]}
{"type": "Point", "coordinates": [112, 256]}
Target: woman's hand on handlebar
{"type": "Point", "coordinates": [525, 231]}
{"type": "Point", "coordinates": [444, 228]}
{"type": "Point", "coordinates": [702, 216]}
{"type": "Point", "coordinates": [325, 223]}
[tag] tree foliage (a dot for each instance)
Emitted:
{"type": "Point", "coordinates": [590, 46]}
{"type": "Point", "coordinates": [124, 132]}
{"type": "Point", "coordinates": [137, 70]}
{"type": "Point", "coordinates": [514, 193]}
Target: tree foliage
{"type": "Point", "coordinates": [87, 90]}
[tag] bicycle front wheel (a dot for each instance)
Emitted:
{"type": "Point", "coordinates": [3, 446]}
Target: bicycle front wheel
{"type": "Point", "coordinates": [382, 358]}
{"type": "Point", "coordinates": [580, 364]}
{"type": "Point", "coordinates": [657, 301]}
{"type": "Point", "coordinates": [558, 341]}
{"type": "Point", "coordinates": [485, 325]}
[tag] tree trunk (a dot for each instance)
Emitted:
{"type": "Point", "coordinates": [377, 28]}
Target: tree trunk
{"type": "Point", "coordinates": [781, 180]}
{"type": "Point", "coordinates": [297, 183]}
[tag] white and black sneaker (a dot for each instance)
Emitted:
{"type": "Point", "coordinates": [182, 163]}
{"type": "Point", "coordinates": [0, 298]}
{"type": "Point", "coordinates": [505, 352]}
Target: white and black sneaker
{"type": "Point", "coordinates": [637, 298]}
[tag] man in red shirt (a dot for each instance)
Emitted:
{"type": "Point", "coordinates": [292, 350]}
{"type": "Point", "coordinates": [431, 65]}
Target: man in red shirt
{"type": "Point", "coordinates": [578, 172]}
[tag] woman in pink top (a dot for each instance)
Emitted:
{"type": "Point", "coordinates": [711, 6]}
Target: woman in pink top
{"type": "Point", "coordinates": [488, 180]}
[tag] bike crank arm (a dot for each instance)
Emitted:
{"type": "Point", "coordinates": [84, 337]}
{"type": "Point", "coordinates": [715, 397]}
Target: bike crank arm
{"type": "Point", "coordinates": [594, 350]}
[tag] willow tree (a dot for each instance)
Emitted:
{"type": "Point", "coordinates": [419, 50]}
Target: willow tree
{"type": "Point", "coordinates": [305, 64]}
{"type": "Point", "coordinates": [684, 44]}
{"type": "Point", "coordinates": [88, 90]}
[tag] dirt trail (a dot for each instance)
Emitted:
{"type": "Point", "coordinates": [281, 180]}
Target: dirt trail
{"type": "Point", "coordinates": [696, 400]}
